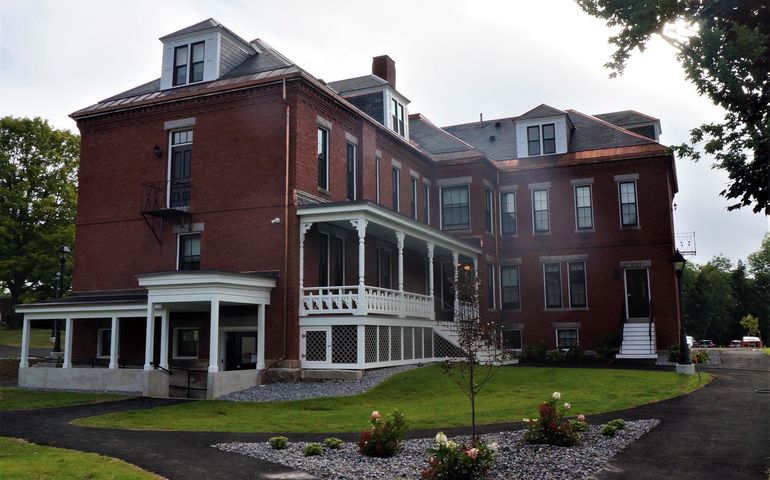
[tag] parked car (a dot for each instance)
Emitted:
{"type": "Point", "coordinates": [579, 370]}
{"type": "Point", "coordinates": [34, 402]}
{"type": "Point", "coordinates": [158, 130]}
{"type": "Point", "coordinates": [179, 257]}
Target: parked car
{"type": "Point", "coordinates": [706, 344]}
{"type": "Point", "coordinates": [736, 344]}
{"type": "Point", "coordinates": [753, 342]}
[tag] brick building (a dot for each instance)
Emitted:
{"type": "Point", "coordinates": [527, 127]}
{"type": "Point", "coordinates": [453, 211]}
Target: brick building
{"type": "Point", "coordinates": [319, 226]}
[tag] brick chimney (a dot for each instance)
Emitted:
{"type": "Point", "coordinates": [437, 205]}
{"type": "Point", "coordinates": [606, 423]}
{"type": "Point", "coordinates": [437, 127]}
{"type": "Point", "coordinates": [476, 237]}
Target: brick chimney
{"type": "Point", "coordinates": [385, 68]}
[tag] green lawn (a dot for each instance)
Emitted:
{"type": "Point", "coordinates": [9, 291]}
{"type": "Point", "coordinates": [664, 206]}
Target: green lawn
{"type": "Point", "coordinates": [12, 398]}
{"type": "Point", "coordinates": [38, 337]}
{"type": "Point", "coordinates": [428, 398]}
{"type": "Point", "coordinates": [22, 460]}
{"type": "Point", "coordinates": [766, 350]}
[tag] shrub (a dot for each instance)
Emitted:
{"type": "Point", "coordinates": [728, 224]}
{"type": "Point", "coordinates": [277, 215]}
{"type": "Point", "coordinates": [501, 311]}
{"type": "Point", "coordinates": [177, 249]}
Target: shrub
{"type": "Point", "coordinates": [555, 356]}
{"type": "Point", "coordinates": [278, 443]}
{"type": "Point", "coordinates": [579, 424]}
{"type": "Point", "coordinates": [313, 449]}
{"type": "Point", "coordinates": [449, 461]}
{"type": "Point", "coordinates": [618, 423]}
{"type": "Point", "coordinates": [576, 353]}
{"type": "Point", "coordinates": [332, 443]}
{"type": "Point", "coordinates": [607, 352]}
{"type": "Point", "coordinates": [383, 439]}
{"type": "Point", "coordinates": [700, 356]}
{"type": "Point", "coordinates": [609, 430]}
{"type": "Point", "coordinates": [536, 353]}
{"type": "Point", "coordinates": [551, 428]}
{"type": "Point", "coordinates": [673, 353]}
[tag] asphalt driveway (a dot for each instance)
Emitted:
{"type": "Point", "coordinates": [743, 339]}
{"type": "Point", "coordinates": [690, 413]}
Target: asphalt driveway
{"type": "Point", "coordinates": [719, 432]}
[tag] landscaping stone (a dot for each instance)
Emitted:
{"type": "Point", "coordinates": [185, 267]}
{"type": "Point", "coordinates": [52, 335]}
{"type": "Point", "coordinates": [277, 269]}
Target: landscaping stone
{"type": "Point", "coordinates": [515, 459]}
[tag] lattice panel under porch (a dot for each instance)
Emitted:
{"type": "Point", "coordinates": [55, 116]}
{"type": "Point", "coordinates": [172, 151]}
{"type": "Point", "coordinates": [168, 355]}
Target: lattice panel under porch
{"type": "Point", "coordinates": [384, 343]}
{"type": "Point", "coordinates": [395, 343]}
{"type": "Point", "coordinates": [344, 344]}
{"type": "Point", "coordinates": [408, 343]}
{"type": "Point", "coordinates": [315, 346]}
{"type": "Point", "coordinates": [370, 344]}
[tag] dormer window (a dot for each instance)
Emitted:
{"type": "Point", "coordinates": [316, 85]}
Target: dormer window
{"type": "Point", "coordinates": [545, 142]}
{"type": "Point", "coordinates": [397, 117]}
{"type": "Point", "coordinates": [188, 63]}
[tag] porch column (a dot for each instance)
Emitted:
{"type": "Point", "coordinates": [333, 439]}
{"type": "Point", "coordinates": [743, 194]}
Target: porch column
{"type": "Point", "coordinates": [114, 342]}
{"type": "Point", "coordinates": [360, 225]}
{"type": "Point", "coordinates": [149, 342]}
{"type": "Point", "coordinates": [260, 337]}
{"type": "Point", "coordinates": [24, 360]}
{"type": "Point", "coordinates": [430, 279]}
{"type": "Point", "coordinates": [214, 337]}
{"type": "Point", "coordinates": [400, 245]}
{"type": "Point", "coordinates": [68, 343]}
{"type": "Point", "coordinates": [164, 338]}
{"type": "Point", "coordinates": [476, 267]}
{"type": "Point", "coordinates": [455, 266]}
{"type": "Point", "coordinates": [303, 228]}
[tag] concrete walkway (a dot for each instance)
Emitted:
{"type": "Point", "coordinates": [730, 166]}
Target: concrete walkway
{"type": "Point", "coordinates": [721, 431]}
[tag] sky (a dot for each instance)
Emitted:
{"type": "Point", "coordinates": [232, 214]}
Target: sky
{"type": "Point", "coordinates": [455, 59]}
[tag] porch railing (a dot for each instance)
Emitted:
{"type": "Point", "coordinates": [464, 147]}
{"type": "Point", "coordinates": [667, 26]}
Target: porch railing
{"type": "Point", "coordinates": [382, 301]}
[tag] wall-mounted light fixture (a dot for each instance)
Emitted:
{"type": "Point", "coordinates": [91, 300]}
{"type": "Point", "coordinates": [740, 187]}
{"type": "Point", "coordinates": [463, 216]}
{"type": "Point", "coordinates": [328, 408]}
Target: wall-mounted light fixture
{"type": "Point", "coordinates": [158, 152]}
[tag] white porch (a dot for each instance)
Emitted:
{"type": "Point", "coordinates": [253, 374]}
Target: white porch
{"type": "Point", "coordinates": [368, 323]}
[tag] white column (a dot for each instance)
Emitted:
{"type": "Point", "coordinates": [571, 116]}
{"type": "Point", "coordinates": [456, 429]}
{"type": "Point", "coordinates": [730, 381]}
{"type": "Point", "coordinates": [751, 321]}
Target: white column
{"type": "Point", "coordinates": [476, 267]}
{"type": "Point", "coordinates": [164, 338]}
{"type": "Point", "coordinates": [360, 225]}
{"type": "Point", "coordinates": [149, 344]}
{"type": "Point", "coordinates": [24, 360]}
{"type": "Point", "coordinates": [303, 228]}
{"type": "Point", "coordinates": [214, 337]}
{"type": "Point", "coordinates": [114, 342]}
{"type": "Point", "coordinates": [68, 343]}
{"type": "Point", "coordinates": [400, 246]}
{"type": "Point", "coordinates": [360, 337]}
{"type": "Point", "coordinates": [260, 337]}
{"type": "Point", "coordinates": [455, 266]}
{"type": "Point", "coordinates": [430, 279]}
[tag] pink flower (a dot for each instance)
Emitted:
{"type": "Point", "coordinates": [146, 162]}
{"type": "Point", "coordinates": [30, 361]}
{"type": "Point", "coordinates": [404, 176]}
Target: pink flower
{"type": "Point", "coordinates": [473, 453]}
{"type": "Point", "coordinates": [581, 418]}
{"type": "Point", "coordinates": [375, 416]}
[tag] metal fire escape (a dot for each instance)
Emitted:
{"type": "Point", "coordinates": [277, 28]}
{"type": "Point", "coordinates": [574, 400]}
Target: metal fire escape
{"type": "Point", "coordinates": [168, 200]}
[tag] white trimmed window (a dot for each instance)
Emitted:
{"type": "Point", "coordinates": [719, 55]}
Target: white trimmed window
{"type": "Point", "coordinates": [186, 342]}
{"type": "Point", "coordinates": [541, 138]}
{"type": "Point", "coordinates": [455, 208]}
{"type": "Point", "coordinates": [426, 203]}
{"type": "Point", "coordinates": [541, 219]}
{"type": "Point", "coordinates": [491, 300]}
{"type": "Point", "coordinates": [584, 212]}
{"type": "Point", "coordinates": [188, 63]}
{"type": "Point", "coordinates": [629, 214]}
{"type": "Point", "coordinates": [323, 158]}
{"type": "Point", "coordinates": [508, 213]}
{"type": "Point", "coordinates": [567, 338]}
{"type": "Point", "coordinates": [509, 287]}
{"type": "Point", "coordinates": [488, 210]}
{"type": "Point", "coordinates": [351, 171]}
{"type": "Point", "coordinates": [552, 284]}
{"type": "Point", "coordinates": [189, 252]}
{"type": "Point", "coordinates": [377, 178]}
{"type": "Point", "coordinates": [395, 181]}
{"type": "Point", "coordinates": [578, 297]}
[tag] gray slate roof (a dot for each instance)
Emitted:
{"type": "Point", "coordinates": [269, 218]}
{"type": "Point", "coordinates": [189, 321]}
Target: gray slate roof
{"type": "Point", "coordinates": [206, 24]}
{"type": "Point", "coordinates": [591, 133]}
{"type": "Point", "coordinates": [502, 147]}
{"type": "Point", "coordinates": [541, 110]}
{"type": "Point", "coordinates": [625, 117]}
{"type": "Point", "coordinates": [357, 83]}
{"type": "Point", "coordinates": [434, 139]}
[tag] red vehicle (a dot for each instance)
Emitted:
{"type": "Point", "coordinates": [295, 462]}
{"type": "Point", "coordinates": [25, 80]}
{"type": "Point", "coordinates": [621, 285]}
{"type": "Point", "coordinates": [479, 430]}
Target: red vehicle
{"type": "Point", "coordinates": [706, 344]}
{"type": "Point", "coordinates": [736, 344]}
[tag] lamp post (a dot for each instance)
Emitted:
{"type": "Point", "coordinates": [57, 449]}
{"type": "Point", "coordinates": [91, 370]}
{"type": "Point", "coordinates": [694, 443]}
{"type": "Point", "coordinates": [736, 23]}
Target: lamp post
{"type": "Point", "coordinates": [64, 250]}
{"type": "Point", "coordinates": [678, 261]}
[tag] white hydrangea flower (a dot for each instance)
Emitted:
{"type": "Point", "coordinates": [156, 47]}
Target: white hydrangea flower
{"type": "Point", "coordinates": [451, 444]}
{"type": "Point", "coordinates": [556, 395]}
{"type": "Point", "coordinates": [441, 438]}
{"type": "Point", "coordinates": [494, 446]}
{"type": "Point", "coordinates": [568, 405]}
{"type": "Point", "coordinates": [525, 420]}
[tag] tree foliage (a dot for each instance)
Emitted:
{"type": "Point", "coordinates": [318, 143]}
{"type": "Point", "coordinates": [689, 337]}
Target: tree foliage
{"type": "Point", "coordinates": [38, 175]}
{"type": "Point", "coordinates": [751, 324]}
{"type": "Point", "coordinates": [724, 48]}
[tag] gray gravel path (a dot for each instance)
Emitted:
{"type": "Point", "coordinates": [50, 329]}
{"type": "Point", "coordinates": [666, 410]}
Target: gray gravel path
{"type": "Point", "coordinates": [515, 458]}
{"type": "Point", "coordinates": [304, 390]}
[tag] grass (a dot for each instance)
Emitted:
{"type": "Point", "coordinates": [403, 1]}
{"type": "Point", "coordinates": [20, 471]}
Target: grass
{"type": "Point", "coordinates": [12, 398]}
{"type": "Point", "coordinates": [427, 396]}
{"type": "Point", "coordinates": [22, 460]}
{"type": "Point", "coordinates": [766, 350]}
{"type": "Point", "coordinates": [38, 337]}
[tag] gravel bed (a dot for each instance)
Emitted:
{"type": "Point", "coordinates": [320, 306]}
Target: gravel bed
{"type": "Point", "coordinates": [714, 358]}
{"type": "Point", "coordinates": [515, 458]}
{"type": "Point", "coordinates": [304, 390]}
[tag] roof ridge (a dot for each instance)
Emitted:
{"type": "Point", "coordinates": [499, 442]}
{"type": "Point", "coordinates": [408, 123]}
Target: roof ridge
{"type": "Point", "coordinates": [430, 123]}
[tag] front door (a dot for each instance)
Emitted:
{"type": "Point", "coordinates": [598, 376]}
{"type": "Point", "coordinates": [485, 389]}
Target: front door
{"type": "Point", "coordinates": [637, 293]}
{"type": "Point", "coordinates": [240, 350]}
{"type": "Point", "coordinates": [181, 166]}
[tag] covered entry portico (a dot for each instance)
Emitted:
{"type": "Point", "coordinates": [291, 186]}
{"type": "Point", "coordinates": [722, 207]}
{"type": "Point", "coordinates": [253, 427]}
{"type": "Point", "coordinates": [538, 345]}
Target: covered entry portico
{"type": "Point", "coordinates": [131, 331]}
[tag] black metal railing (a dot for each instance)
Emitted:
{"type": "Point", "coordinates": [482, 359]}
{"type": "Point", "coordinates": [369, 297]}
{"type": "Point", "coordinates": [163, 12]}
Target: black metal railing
{"type": "Point", "coordinates": [191, 373]}
{"type": "Point", "coordinates": [165, 195]}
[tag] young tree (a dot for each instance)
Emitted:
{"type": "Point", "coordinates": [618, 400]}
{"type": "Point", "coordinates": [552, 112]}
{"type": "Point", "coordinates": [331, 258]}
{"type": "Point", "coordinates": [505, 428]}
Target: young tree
{"type": "Point", "coordinates": [724, 47]}
{"type": "Point", "coordinates": [479, 340]}
{"type": "Point", "coordinates": [759, 266]}
{"type": "Point", "coordinates": [38, 176]}
{"type": "Point", "coordinates": [751, 324]}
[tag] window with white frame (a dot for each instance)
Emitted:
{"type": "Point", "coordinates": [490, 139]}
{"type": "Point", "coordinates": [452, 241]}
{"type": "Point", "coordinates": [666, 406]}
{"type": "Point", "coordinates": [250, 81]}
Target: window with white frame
{"type": "Point", "coordinates": [351, 171]}
{"type": "Point", "coordinates": [413, 198]}
{"type": "Point", "coordinates": [189, 257]}
{"type": "Point", "coordinates": [377, 178]}
{"type": "Point", "coordinates": [508, 213]}
{"type": "Point", "coordinates": [188, 63]}
{"type": "Point", "coordinates": [541, 138]}
{"type": "Point", "coordinates": [584, 213]}
{"type": "Point", "coordinates": [578, 297]}
{"type": "Point", "coordinates": [384, 276]}
{"type": "Point", "coordinates": [567, 338]}
{"type": "Point", "coordinates": [426, 203]}
{"type": "Point", "coordinates": [509, 287]}
{"type": "Point", "coordinates": [552, 282]}
{"type": "Point", "coordinates": [397, 117]}
{"type": "Point", "coordinates": [540, 213]}
{"type": "Point", "coordinates": [549, 138]}
{"type": "Point", "coordinates": [533, 140]}
{"type": "Point", "coordinates": [186, 342]}
{"type": "Point", "coordinates": [491, 303]}
{"type": "Point", "coordinates": [629, 215]}
{"type": "Point", "coordinates": [323, 158]}
{"type": "Point", "coordinates": [455, 208]}
{"type": "Point", "coordinates": [488, 210]}
{"type": "Point", "coordinates": [395, 180]}
{"type": "Point", "coordinates": [103, 343]}
{"type": "Point", "coordinates": [512, 339]}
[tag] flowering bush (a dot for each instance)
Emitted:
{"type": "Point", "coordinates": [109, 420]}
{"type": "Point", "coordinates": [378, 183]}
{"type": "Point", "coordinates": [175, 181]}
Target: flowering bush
{"type": "Point", "coordinates": [579, 424]}
{"type": "Point", "coordinates": [449, 461]}
{"type": "Point", "coordinates": [383, 438]}
{"type": "Point", "coordinates": [550, 427]}
{"type": "Point", "coordinates": [700, 356]}
{"type": "Point", "coordinates": [278, 443]}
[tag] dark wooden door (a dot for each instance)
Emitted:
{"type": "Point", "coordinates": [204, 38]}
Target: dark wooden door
{"type": "Point", "coordinates": [181, 166]}
{"type": "Point", "coordinates": [637, 293]}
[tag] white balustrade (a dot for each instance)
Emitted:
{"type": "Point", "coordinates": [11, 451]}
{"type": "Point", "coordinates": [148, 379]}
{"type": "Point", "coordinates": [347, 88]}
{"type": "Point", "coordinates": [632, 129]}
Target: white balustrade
{"type": "Point", "coordinates": [382, 301]}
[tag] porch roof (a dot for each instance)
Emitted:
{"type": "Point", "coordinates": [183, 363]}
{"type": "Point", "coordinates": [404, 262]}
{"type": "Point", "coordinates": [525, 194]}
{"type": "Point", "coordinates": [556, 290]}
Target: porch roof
{"type": "Point", "coordinates": [205, 286]}
{"type": "Point", "coordinates": [374, 213]}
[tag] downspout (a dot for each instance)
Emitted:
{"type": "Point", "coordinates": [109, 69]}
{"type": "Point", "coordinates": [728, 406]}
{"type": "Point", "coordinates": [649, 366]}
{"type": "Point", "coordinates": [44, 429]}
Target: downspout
{"type": "Point", "coordinates": [499, 308]}
{"type": "Point", "coordinates": [286, 231]}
